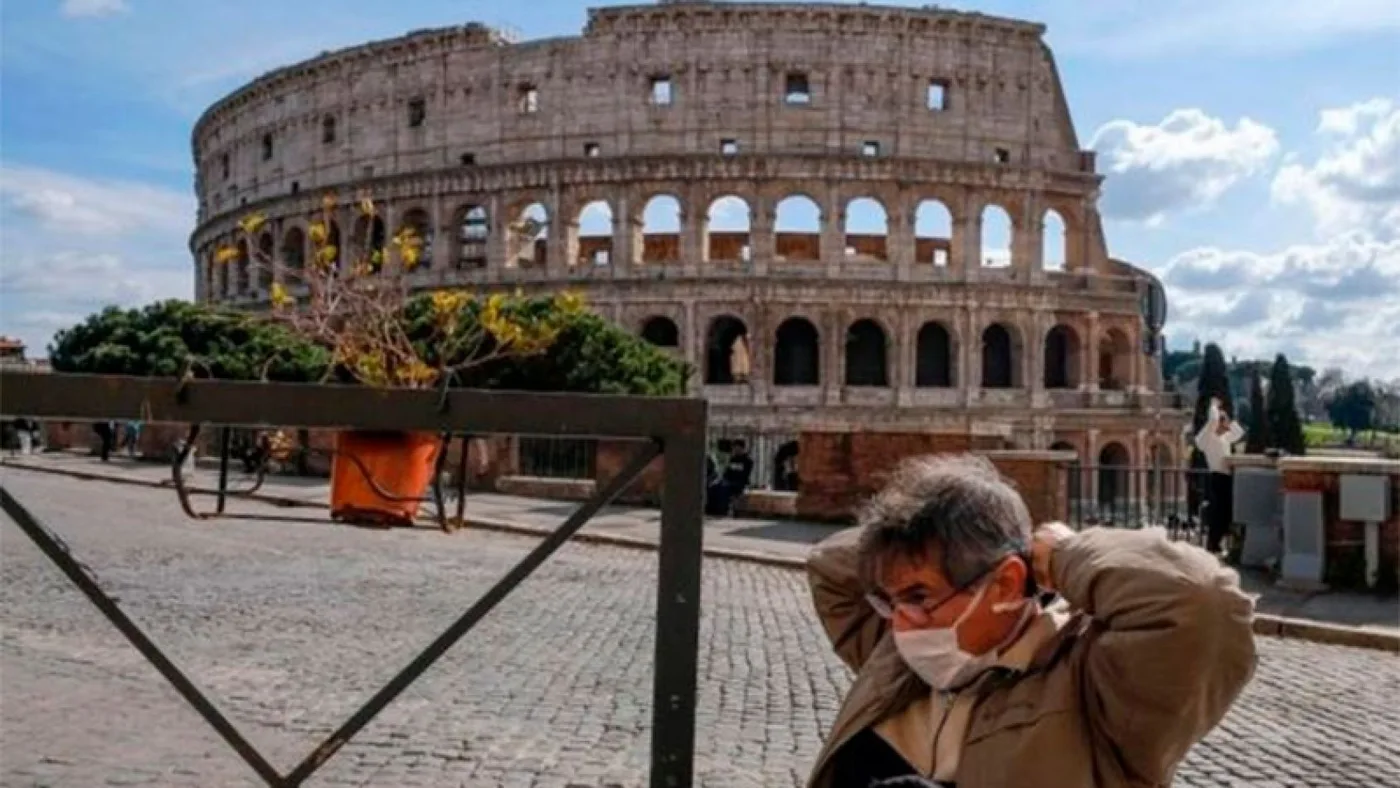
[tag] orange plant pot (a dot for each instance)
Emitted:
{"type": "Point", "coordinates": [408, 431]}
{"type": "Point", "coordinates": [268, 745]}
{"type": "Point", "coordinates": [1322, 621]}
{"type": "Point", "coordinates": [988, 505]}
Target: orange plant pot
{"type": "Point", "coordinates": [400, 463]}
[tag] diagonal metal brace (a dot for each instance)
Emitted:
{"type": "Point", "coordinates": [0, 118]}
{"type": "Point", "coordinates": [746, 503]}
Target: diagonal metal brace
{"type": "Point", "coordinates": [58, 552]}
{"type": "Point", "coordinates": [634, 467]}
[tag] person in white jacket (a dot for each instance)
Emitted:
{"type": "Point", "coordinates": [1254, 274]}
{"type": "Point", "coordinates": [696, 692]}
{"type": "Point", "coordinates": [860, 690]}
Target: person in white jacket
{"type": "Point", "coordinates": [1217, 440]}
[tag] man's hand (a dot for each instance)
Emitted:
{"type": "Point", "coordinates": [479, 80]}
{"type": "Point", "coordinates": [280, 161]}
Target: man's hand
{"type": "Point", "coordinates": [1043, 543]}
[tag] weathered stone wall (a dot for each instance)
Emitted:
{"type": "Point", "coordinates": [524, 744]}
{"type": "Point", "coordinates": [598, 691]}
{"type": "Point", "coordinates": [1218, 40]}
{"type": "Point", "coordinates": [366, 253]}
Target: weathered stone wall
{"type": "Point", "coordinates": [463, 134]}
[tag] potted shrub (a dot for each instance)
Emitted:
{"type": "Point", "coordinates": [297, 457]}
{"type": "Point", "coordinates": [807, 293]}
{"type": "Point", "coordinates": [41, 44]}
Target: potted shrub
{"type": "Point", "coordinates": [350, 300]}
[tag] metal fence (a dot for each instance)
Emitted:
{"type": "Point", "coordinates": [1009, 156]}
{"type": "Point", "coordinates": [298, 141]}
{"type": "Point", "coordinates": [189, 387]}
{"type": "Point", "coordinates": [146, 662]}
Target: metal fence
{"type": "Point", "coordinates": [1138, 497]}
{"type": "Point", "coordinates": [557, 458]}
{"type": "Point", "coordinates": [774, 455]}
{"type": "Point", "coordinates": [655, 425]}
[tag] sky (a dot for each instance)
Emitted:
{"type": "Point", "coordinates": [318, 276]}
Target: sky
{"type": "Point", "coordinates": [1251, 149]}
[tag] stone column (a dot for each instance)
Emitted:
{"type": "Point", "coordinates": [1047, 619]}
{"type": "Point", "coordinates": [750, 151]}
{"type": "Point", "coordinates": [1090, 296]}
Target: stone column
{"type": "Point", "coordinates": [390, 216]}
{"type": "Point", "coordinates": [1030, 238]}
{"type": "Point", "coordinates": [561, 229]}
{"type": "Point", "coordinates": [833, 232]}
{"type": "Point", "coordinates": [835, 362]}
{"type": "Point", "coordinates": [763, 240]}
{"type": "Point", "coordinates": [443, 236]}
{"type": "Point", "coordinates": [694, 346]}
{"type": "Point", "coordinates": [1091, 463]}
{"type": "Point", "coordinates": [1090, 367]}
{"type": "Point", "coordinates": [971, 380]}
{"type": "Point", "coordinates": [692, 231]}
{"type": "Point", "coordinates": [971, 231]}
{"type": "Point", "coordinates": [623, 237]}
{"type": "Point", "coordinates": [907, 359]}
{"type": "Point", "coordinates": [899, 241]}
{"type": "Point", "coordinates": [497, 237]}
{"type": "Point", "coordinates": [1035, 357]}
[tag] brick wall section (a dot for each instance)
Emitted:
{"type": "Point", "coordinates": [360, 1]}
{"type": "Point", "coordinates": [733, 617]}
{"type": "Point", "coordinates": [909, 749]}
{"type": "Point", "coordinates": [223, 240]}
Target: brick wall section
{"type": "Point", "coordinates": [1345, 539]}
{"type": "Point", "coordinates": [612, 456]}
{"type": "Point", "coordinates": [839, 470]}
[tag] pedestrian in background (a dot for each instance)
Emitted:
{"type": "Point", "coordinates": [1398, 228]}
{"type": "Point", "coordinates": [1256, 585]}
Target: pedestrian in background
{"type": "Point", "coordinates": [1217, 440]}
{"type": "Point", "coordinates": [964, 677]}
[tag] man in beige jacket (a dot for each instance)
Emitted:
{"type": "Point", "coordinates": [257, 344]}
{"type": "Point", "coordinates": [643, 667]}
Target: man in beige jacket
{"type": "Point", "coordinates": [964, 678]}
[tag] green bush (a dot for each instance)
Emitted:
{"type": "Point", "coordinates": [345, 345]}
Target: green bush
{"type": "Point", "coordinates": [590, 354]}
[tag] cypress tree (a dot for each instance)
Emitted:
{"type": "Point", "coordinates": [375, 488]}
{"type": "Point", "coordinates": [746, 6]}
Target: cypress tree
{"type": "Point", "coordinates": [1284, 426]}
{"type": "Point", "coordinates": [1214, 382]}
{"type": "Point", "coordinates": [1258, 435]}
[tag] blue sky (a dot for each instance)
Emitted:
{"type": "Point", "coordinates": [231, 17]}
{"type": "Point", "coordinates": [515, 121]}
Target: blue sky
{"type": "Point", "coordinates": [1252, 148]}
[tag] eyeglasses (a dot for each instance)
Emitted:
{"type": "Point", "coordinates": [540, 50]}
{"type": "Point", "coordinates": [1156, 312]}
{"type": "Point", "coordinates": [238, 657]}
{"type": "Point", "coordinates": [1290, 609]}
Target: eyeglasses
{"type": "Point", "coordinates": [917, 605]}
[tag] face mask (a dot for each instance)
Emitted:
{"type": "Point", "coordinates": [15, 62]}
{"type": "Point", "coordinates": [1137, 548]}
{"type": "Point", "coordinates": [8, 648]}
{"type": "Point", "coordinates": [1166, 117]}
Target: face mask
{"type": "Point", "coordinates": [935, 656]}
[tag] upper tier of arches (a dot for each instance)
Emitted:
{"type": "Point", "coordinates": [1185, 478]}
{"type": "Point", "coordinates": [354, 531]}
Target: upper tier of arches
{"type": "Point", "coordinates": [683, 80]}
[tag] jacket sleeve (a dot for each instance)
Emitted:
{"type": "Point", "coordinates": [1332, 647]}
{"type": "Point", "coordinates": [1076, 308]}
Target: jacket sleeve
{"type": "Point", "coordinates": [850, 622]}
{"type": "Point", "coordinates": [1174, 648]}
{"type": "Point", "coordinates": [1235, 434]}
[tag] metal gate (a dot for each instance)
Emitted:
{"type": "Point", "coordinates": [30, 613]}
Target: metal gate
{"type": "Point", "coordinates": [671, 427]}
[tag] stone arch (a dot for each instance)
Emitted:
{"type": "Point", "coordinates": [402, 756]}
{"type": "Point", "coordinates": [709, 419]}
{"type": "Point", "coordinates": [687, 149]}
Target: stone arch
{"type": "Point", "coordinates": [1061, 357]}
{"type": "Point", "coordinates": [527, 236]}
{"type": "Point", "coordinates": [421, 225]}
{"type": "Point", "coordinates": [661, 331]}
{"type": "Point", "coordinates": [1001, 357]}
{"type": "Point", "coordinates": [334, 242]}
{"type": "Point", "coordinates": [369, 237]}
{"type": "Point", "coordinates": [239, 282]}
{"type": "Point", "coordinates": [728, 223]}
{"type": "Point", "coordinates": [933, 357]}
{"type": "Point", "coordinates": [594, 234]}
{"type": "Point", "coordinates": [1166, 485]}
{"type": "Point", "coordinates": [661, 229]}
{"type": "Point", "coordinates": [1115, 360]}
{"type": "Point", "coordinates": [726, 342]}
{"type": "Point", "coordinates": [797, 353]}
{"type": "Point", "coordinates": [267, 254]}
{"type": "Point", "coordinates": [294, 250]}
{"type": "Point", "coordinates": [997, 237]}
{"type": "Point", "coordinates": [472, 225]}
{"type": "Point", "coordinates": [785, 477]}
{"type": "Point", "coordinates": [867, 354]}
{"type": "Point", "coordinates": [867, 230]}
{"type": "Point", "coordinates": [1114, 463]}
{"type": "Point", "coordinates": [933, 233]}
{"type": "Point", "coordinates": [797, 227]}
{"type": "Point", "coordinates": [209, 273]}
{"type": "Point", "coordinates": [1054, 241]}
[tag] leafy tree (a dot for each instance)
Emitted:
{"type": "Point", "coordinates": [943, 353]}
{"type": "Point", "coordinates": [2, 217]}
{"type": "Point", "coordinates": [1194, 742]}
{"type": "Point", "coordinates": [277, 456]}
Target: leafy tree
{"type": "Point", "coordinates": [1257, 424]}
{"type": "Point", "coordinates": [1353, 407]}
{"type": "Point", "coordinates": [1285, 429]}
{"type": "Point", "coordinates": [589, 354]}
{"type": "Point", "coordinates": [166, 338]}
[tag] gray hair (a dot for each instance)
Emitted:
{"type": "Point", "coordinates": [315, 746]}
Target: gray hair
{"type": "Point", "coordinates": [957, 507]}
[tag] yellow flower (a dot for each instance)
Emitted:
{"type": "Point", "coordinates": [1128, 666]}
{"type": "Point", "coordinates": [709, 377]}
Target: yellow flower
{"type": "Point", "coordinates": [280, 298]}
{"type": "Point", "coordinates": [410, 256]}
{"type": "Point", "coordinates": [366, 204]}
{"type": "Point", "coordinates": [318, 232]}
{"type": "Point", "coordinates": [251, 223]}
{"type": "Point", "coordinates": [327, 255]}
{"type": "Point", "coordinates": [226, 254]}
{"type": "Point", "coordinates": [569, 301]}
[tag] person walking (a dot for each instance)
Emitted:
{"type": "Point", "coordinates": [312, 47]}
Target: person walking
{"type": "Point", "coordinates": [1216, 440]}
{"type": "Point", "coordinates": [106, 434]}
{"type": "Point", "coordinates": [964, 676]}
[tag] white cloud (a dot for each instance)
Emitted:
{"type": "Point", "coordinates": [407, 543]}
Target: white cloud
{"type": "Point", "coordinates": [1177, 28]}
{"type": "Point", "coordinates": [1355, 182]}
{"type": "Point", "coordinates": [74, 245]}
{"type": "Point", "coordinates": [1335, 303]}
{"type": "Point", "coordinates": [72, 204]}
{"type": "Point", "coordinates": [1187, 161]}
{"type": "Point", "coordinates": [74, 9]}
{"type": "Point", "coordinates": [728, 214]}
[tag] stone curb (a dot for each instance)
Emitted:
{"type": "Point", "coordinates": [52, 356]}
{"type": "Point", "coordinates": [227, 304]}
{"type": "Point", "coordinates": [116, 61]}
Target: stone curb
{"type": "Point", "coordinates": [1264, 623]}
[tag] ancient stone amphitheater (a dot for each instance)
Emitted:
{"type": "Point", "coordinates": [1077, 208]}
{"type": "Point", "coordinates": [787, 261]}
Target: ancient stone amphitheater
{"type": "Point", "coordinates": [847, 217]}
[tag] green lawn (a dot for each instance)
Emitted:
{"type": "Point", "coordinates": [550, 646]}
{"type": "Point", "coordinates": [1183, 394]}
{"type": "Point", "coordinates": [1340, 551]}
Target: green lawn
{"type": "Point", "coordinates": [1322, 434]}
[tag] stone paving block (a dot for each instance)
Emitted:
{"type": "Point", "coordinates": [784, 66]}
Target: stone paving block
{"type": "Point", "coordinates": [291, 627]}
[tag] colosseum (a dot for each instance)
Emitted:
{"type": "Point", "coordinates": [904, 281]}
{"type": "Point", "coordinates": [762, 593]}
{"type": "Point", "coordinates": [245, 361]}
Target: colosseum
{"type": "Point", "coordinates": [847, 217]}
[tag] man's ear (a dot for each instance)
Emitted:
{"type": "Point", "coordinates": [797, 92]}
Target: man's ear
{"type": "Point", "coordinates": [1015, 580]}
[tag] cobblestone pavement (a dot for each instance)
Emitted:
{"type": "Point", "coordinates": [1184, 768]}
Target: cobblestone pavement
{"type": "Point", "coordinates": [289, 626]}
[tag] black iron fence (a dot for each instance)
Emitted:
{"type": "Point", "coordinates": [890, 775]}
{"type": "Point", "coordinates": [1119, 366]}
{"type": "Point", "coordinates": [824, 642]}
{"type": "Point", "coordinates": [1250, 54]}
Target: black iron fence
{"type": "Point", "coordinates": [1124, 496]}
{"type": "Point", "coordinates": [557, 458]}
